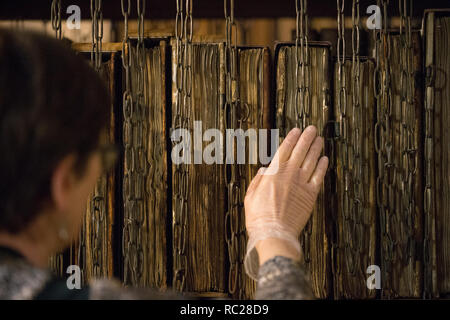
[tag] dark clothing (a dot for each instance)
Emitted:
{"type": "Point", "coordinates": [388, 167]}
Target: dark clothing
{"type": "Point", "coordinates": [278, 278]}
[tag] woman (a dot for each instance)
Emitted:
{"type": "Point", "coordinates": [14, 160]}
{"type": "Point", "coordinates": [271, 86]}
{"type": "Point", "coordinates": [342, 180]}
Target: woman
{"type": "Point", "coordinates": [53, 106]}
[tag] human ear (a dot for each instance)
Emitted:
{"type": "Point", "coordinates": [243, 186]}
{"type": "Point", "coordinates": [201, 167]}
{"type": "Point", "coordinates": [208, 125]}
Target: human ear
{"type": "Point", "coordinates": [62, 183]}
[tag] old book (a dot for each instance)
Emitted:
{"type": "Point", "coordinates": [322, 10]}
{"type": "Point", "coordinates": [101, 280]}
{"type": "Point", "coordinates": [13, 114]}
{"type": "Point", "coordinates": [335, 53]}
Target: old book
{"type": "Point", "coordinates": [254, 79]}
{"type": "Point", "coordinates": [316, 235]}
{"type": "Point", "coordinates": [436, 154]}
{"type": "Point", "coordinates": [146, 220]}
{"type": "Point", "coordinates": [96, 247]}
{"type": "Point", "coordinates": [399, 175]}
{"type": "Point", "coordinates": [354, 241]}
{"type": "Point", "coordinates": [214, 249]}
{"type": "Point", "coordinates": [199, 249]}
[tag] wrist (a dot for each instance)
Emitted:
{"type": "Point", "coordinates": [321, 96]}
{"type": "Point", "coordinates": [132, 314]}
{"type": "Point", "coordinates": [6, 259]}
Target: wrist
{"type": "Point", "coordinates": [271, 247]}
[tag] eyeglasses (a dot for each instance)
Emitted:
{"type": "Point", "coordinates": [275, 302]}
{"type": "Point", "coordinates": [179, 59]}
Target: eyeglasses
{"type": "Point", "coordinates": [109, 155]}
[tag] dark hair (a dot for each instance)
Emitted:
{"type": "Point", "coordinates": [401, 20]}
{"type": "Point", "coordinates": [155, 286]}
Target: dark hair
{"type": "Point", "coordinates": [52, 103]}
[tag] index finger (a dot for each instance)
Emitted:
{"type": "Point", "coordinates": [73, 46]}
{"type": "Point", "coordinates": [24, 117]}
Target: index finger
{"type": "Point", "coordinates": [284, 151]}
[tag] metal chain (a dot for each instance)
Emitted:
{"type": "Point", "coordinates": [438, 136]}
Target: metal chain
{"type": "Point", "coordinates": [97, 33]}
{"type": "Point", "coordinates": [182, 119]}
{"type": "Point", "coordinates": [128, 106]}
{"type": "Point", "coordinates": [351, 154]}
{"type": "Point", "coordinates": [381, 142]}
{"type": "Point", "coordinates": [407, 140]}
{"type": "Point", "coordinates": [98, 223]}
{"type": "Point", "coordinates": [303, 91]}
{"type": "Point", "coordinates": [56, 18]}
{"type": "Point", "coordinates": [141, 166]}
{"type": "Point", "coordinates": [98, 202]}
{"type": "Point", "coordinates": [357, 124]}
{"type": "Point", "coordinates": [429, 190]}
{"type": "Point", "coordinates": [235, 116]}
{"type": "Point", "coordinates": [136, 163]}
{"type": "Point", "coordinates": [179, 257]}
{"type": "Point", "coordinates": [378, 136]}
{"type": "Point", "coordinates": [81, 254]}
{"type": "Point", "coordinates": [384, 145]}
{"type": "Point", "coordinates": [344, 146]}
{"type": "Point", "coordinates": [302, 67]}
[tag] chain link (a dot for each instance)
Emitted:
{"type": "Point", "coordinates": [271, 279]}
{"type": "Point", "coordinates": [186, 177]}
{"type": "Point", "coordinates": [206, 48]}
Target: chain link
{"type": "Point", "coordinates": [407, 138]}
{"type": "Point", "coordinates": [127, 241]}
{"type": "Point", "coordinates": [302, 67]}
{"type": "Point", "coordinates": [303, 91]}
{"type": "Point", "coordinates": [98, 223]}
{"type": "Point", "coordinates": [98, 201]}
{"type": "Point", "coordinates": [344, 146]}
{"type": "Point", "coordinates": [236, 114]}
{"type": "Point", "coordinates": [81, 254]}
{"type": "Point", "coordinates": [97, 33]}
{"type": "Point", "coordinates": [429, 190]}
{"type": "Point", "coordinates": [135, 112]}
{"type": "Point", "coordinates": [182, 119]}
{"type": "Point", "coordinates": [56, 18]}
{"type": "Point", "coordinates": [387, 170]}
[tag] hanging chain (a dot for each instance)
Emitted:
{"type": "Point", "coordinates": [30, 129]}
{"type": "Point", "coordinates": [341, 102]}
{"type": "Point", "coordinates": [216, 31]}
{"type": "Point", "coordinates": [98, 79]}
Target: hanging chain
{"type": "Point", "coordinates": [302, 66]}
{"type": "Point", "coordinates": [136, 164]}
{"type": "Point", "coordinates": [378, 137]}
{"type": "Point", "coordinates": [234, 118]}
{"type": "Point", "coordinates": [179, 258]}
{"type": "Point", "coordinates": [81, 254]}
{"type": "Point", "coordinates": [128, 106]}
{"type": "Point", "coordinates": [357, 125]}
{"type": "Point", "coordinates": [139, 116]}
{"type": "Point", "coordinates": [97, 234]}
{"type": "Point", "coordinates": [429, 190]}
{"type": "Point", "coordinates": [387, 171]}
{"type": "Point", "coordinates": [342, 103]}
{"type": "Point", "coordinates": [56, 18]}
{"type": "Point", "coordinates": [97, 33]}
{"type": "Point", "coordinates": [98, 202]}
{"type": "Point", "coordinates": [303, 92]}
{"type": "Point", "coordinates": [351, 154]}
{"type": "Point", "coordinates": [407, 138]}
{"type": "Point", "coordinates": [184, 24]}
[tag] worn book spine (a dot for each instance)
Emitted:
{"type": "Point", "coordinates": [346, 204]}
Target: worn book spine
{"type": "Point", "coordinates": [146, 239]}
{"type": "Point", "coordinates": [205, 242]}
{"type": "Point", "coordinates": [442, 153]}
{"type": "Point", "coordinates": [156, 257]}
{"type": "Point", "coordinates": [354, 243]}
{"type": "Point", "coordinates": [400, 206]}
{"type": "Point", "coordinates": [255, 98]}
{"type": "Point", "coordinates": [316, 235]}
{"type": "Point", "coordinates": [436, 142]}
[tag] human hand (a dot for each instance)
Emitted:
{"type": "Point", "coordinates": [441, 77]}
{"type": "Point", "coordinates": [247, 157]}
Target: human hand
{"type": "Point", "coordinates": [280, 199]}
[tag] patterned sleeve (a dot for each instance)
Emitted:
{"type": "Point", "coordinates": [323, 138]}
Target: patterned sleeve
{"type": "Point", "coordinates": [111, 289]}
{"type": "Point", "coordinates": [281, 278]}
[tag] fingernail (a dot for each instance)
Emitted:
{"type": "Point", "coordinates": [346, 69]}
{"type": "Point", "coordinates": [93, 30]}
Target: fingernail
{"type": "Point", "coordinates": [295, 132]}
{"type": "Point", "coordinates": [311, 129]}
